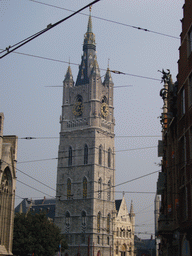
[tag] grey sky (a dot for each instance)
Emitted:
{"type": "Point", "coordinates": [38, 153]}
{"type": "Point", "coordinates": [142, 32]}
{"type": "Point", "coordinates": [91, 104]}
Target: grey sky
{"type": "Point", "coordinates": [32, 109]}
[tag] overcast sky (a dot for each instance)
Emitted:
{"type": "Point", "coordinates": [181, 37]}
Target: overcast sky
{"type": "Point", "coordinates": [32, 109]}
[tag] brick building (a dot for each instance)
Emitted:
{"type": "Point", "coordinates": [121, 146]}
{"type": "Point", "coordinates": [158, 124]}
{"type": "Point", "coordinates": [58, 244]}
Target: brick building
{"type": "Point", "coordinates": [175, 181]}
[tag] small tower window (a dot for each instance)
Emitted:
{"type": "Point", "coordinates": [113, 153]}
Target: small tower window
{"type": "Point", "coordinates": [84, 187]}
{"type": "Point", "coordinates": [99, 188]}
{"type": "Point", "coordinates": [85, 154]}
{"type": "Point", "coordinates": [98, 222]}
{"type": "Point", "coordinates": [109, 190]}
{"type": "Point", "coordinates": [109, 157]}
{"type": "Point", "coordinates": [70, 156]}
{"type": "Point", "coordinates": [67, 219]}
{"type": "Point", "coordinates": [83, 218]}
{"type": "Point", "coordinates": [68, 188]}
{"type": "Point", "coordinates": [100, 155]}
{"type": "Point", "coordinates": [108, 223]}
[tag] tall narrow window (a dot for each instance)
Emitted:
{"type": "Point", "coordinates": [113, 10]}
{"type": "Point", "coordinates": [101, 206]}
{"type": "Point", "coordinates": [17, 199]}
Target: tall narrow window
{"type": "Point", "coordinates": [67, 219]}
{"type": "Point", "coordinates": [98, 222]}
{"type": "Point", "coordinates": [83, 218]}
{"type": "Point", "coordinates": [99, 188]}
{"type": "Point", "coordinates": [70, 156]}
{"type": "Point", "coordinates": [190, 89]}
{"type": "Point", "coordinates": [183, 101]}
{"type": "Point", "coordinates": [109, 157]}
{"type": "Point", "coordinates": [85, 154]}
{"type": "Point", "coordinates": [68, 188]}
{"type": "Point", "coordinates": [100, 155]}
{"type": "Point", "coordinates": [109, 190]}
{"type": "Point", "coordinates": [108, 223]}
{"type": "Point", "coordinates": [84, 187]}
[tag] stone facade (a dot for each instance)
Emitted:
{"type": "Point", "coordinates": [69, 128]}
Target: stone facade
{"type": "Point", "coordinates": [8, 156]}
{"type": "Point", "coordinates": [86, 159]}
{"type": "Point", "coordinates": [124, 229]}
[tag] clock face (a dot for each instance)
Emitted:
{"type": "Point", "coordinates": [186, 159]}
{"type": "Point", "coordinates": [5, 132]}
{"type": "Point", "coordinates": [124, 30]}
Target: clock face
{"type": "Point", "coordinates": [104, 109]}
{"type": "Point", "coordinates": [78, 109]}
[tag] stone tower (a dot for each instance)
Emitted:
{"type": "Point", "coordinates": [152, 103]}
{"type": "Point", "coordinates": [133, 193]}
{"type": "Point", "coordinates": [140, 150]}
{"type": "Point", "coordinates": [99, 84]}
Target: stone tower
{"type": "Point", "coordinates": [86, 158]}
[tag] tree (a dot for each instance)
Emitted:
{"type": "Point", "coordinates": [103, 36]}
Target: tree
{"type": "Point", "coordinates": [36, 234]}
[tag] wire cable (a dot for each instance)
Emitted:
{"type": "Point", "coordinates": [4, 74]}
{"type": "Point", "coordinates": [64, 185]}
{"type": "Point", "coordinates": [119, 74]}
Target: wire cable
{"type": "Point", "coordinates": [112, 21]}
{"type": "Point", "coordinates": [67, 62]}
{"type": "Point", "coordinates": [50, 26]}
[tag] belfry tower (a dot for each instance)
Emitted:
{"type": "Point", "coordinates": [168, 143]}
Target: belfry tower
{"type": "Point", "coordinates": [86, 159]}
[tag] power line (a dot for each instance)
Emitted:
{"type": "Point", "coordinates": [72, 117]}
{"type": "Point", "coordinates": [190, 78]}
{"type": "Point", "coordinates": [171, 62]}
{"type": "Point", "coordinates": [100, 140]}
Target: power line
{"type": "Point", "coordinates": [30, 176]}
{"type": "Point", "coordinates": [50, 26]}
{"type": "Point", "coordinates": [136, 178]}
{"type": "Point", "coordinates": [111, 21]}
{"type": "Point", "coordinates": [118, 136]}
{"type": "Point", "coordinates": [67, 62]}
{"type": "Point", "coordinates": [33, 188]}
{"type": "Point", "coordinates": [65, 157]}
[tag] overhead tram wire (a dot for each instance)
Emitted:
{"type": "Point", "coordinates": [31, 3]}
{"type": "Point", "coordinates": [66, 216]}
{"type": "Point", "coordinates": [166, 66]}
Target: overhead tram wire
{"type": "Point", "coordinates": [30, 177]}
{"type": "Point", "coordinates": [118, 136]}
{"type": "Point", "coordinates": [49, 26]}
{"type": "Point", "coordinates": [111, 21]}
{"type": "Point", "coordinates": [65, 157]}
{"type": "Point", "coordinates": [67, 62]}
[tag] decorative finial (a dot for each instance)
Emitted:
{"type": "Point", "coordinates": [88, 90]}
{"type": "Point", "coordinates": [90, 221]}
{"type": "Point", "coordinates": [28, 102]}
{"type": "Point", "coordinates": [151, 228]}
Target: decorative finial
{"type": "Point", "coordinates": [90, 7]}
{"type": "Point", "coordinates": [69, 61]}
{"type": "Point", "coordinates": [123, 193]}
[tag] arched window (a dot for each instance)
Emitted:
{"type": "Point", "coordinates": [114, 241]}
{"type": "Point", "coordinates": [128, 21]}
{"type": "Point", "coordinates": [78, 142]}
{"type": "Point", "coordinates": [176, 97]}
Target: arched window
{"type": "Point", "coordinates": [70, 156]}
{"type": "Point", "coordinates": [109, 157]}
{"type": "Point", "coordinates": [84, 187]}
{"type": "Point", "coordinates": [108, 223]}
{"type": "Point", "coordinates": [99, 188]}
{"type": "Point", "coordinates": [117, 231]}
{"type": "Point", "coordinates": [6, 202]}
{"type": "Point", "coordinates": [83, 218]}
{"type": "Point", "coordinates": [109, 190]}
{"type": "Point", "coordinates": [68, 188]}
{"type": "Point", "coordinates": [98, 222]}
{"type": "Point", "coordinates": [67, 219]}
{"type": "Point", "coordinates": [100, 155]}
{"type": "Point", "coordinates": [85, 154]}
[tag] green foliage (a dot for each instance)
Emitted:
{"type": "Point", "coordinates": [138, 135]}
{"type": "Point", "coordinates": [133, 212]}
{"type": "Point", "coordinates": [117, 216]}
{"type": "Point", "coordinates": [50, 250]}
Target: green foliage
{"type": "Point", "coordinates": [36, 234]}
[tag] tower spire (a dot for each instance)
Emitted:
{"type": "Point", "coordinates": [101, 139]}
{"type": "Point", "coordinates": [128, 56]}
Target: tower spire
{"type": "Point", "coordinates": [89, 55]}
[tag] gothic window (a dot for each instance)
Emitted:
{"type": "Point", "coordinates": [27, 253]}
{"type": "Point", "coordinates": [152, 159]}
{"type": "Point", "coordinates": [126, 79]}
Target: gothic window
{"type": "Point", "coordinates": [67, 219]}
{"type": "Point", "coordinates": [108, 240]}
{"type": "Point", "coordinates": [99, 188]}
{"type": "Point", "coordinates": [85, 154]}
{"type": "Point", "coordinates": [68, 188]}
{"type": "Point", "coordinates": [98, 222]}
{"type": "Point", "coordinates": [108, 223]}
{"type": "Point", "coordinates": [183, 101]}
{"type": "Point", "coordinates": [84, 187]}
{"type": "Point", "coordinates": [117, 231]}
{"type": "Point", "coordinates": [100, 155]}
{"type": "Point", "coordinates": [70, 156]}
{"type": "Point", "coordinates": [6, 197]}
{"type": "Point", "coordinates": [109, 190]}
{"type": "Point", "coordinates": [98, 239]}
{"type": "Point", "coordinates": [109, 157]}
{"type": "Point", "coordinates": [190, 90]}
{"type": "Point", "coordinates": [83, 218]}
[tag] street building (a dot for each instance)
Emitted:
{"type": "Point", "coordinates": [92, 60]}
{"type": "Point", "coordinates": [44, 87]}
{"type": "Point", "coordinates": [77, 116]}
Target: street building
{"type": "Point", "coordinates": [8, 158]}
